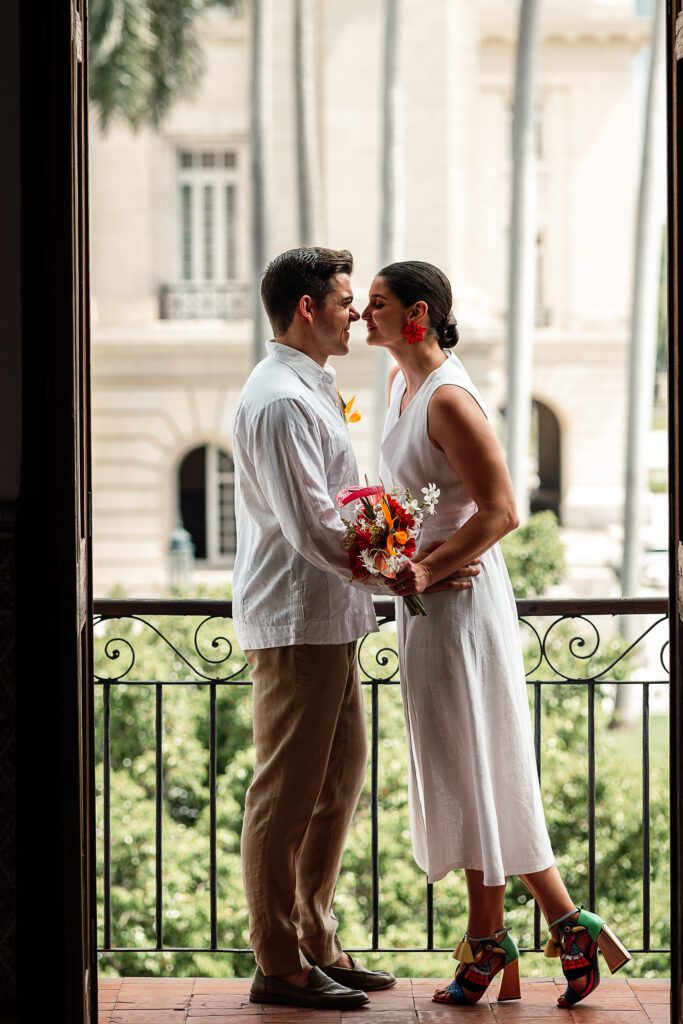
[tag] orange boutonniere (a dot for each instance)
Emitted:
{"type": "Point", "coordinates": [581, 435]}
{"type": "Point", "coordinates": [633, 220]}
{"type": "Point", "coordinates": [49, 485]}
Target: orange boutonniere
{"type": "Point", "coordinates": [346, 407]}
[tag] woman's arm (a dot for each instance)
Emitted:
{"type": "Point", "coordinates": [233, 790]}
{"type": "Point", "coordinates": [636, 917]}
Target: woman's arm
{"type": "Point", "coordinates": [460, 429]}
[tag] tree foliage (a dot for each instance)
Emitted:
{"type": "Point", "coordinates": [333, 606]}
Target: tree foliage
{"type": "Point", "coordinates": [534, 555]}
{"type": "Point", "coordinates": [144, 55]}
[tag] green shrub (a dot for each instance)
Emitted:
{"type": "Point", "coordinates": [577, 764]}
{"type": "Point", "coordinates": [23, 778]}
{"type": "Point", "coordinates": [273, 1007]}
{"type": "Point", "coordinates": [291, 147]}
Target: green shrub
{"type": "Point", "coordinates": [534, 555]}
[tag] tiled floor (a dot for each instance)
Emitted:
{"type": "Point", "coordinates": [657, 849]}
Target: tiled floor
{"type": "Point", "coordinates": [213, 1001]}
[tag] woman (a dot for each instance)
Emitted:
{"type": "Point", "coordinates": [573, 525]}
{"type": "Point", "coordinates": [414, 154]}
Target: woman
{"type": "Point", "coordinates": [474, 796]}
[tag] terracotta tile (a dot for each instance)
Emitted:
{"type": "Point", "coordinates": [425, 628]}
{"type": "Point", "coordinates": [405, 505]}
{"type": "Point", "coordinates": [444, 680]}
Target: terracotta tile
{"type": "Point", "coordinates": [480, 1013]}
{"type": "Point", "coordinates": [291, 1013]}
{"type": "Point", "coordinates": [240, 1009]}
{"type": "Point", "coordinates": [519, 1008]}
{"type": "Point", "coordinates": [222, 985]}
{"type": "Point", "coordinates": [395, 992]}
{"type": "Point", "coordinates": [138, 1002]}
{"type": "Point", "coordinates": [600, 1001]}
{"type": "Point", "coordinates": [226, 1018]}
{"type": "Point", "coordinates": [362, 1016]}
{"type": "Point", "coordinates": [219, 998]}
{"type": "Point", "coordinates": [216, 1009]}
{"type": "Point", "coordinates": [148, 1017]}
{"type": "Point", "coordinates": [389, 1006]}
{"type": "Point", "coordinates": [269, 1009]}
{"type": "Point", "coordinates": [585, 1014]}
{"type": "Point", "coordinates": [168, 988]}
{"type": "Point", "coordinates": [649, 983]}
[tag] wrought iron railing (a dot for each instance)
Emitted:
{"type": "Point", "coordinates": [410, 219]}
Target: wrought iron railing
{"type": "Point", "coordinates": [563, 645]}
{"type": "Point", "coordinates": [193, 301]}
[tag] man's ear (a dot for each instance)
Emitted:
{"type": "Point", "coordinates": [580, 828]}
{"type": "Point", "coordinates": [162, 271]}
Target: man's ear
{"type": "Point", "coordinates": [307, 308]}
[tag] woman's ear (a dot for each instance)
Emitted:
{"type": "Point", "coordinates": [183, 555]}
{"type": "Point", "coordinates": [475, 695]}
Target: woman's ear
{"type": "Point", "coordinates": [418, 313]}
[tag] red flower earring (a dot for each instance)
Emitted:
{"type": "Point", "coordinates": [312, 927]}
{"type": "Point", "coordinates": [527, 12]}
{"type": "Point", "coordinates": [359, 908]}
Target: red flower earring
{"type": "Point", "coordinates": [413, 333]}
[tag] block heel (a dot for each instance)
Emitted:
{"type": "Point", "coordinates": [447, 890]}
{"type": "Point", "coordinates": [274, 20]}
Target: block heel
{"type": "Point", "coordinates": [615, 953]}
{"type": "Point", "coordinates": [510, 987]}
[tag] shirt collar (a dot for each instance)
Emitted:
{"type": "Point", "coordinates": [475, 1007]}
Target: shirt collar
{"type": "Point", "coordinates": [309, 371]}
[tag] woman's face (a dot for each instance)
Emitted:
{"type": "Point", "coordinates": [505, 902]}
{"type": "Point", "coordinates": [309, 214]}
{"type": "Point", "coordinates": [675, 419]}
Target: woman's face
{"type": "Point", "coordinates": [384, 316]}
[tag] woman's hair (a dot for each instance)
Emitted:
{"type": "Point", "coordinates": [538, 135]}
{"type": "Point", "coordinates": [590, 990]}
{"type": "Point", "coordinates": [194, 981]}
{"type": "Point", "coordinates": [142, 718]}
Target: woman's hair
{"type": "Point", "coordinates": [413, 281]}
{"type": "Point", "coordinates": [297, 272]}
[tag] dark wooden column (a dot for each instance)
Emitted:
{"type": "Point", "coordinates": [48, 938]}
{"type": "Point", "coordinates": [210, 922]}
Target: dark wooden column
{"type": "Point", "coordinates": [675, 138]}
{"type": "Point", "coordinates": [55, 762]}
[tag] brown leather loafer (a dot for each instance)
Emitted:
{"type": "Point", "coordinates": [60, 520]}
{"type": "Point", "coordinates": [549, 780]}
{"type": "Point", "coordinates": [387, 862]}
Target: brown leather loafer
{"type": "Point", "coordinates": [321, 992]}
{"type": "Point", "coordinates": [359, 976]}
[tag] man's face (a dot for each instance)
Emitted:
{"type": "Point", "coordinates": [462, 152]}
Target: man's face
{"type": "Point", "coordinates": [333, 318]}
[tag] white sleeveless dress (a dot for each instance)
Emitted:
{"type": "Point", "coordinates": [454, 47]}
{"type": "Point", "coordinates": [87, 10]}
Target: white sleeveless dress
{"type": "Point", "coordinates": [474, 795]}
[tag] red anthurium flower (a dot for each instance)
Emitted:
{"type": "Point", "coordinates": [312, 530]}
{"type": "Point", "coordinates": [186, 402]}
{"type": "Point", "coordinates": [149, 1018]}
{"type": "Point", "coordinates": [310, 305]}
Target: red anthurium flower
{"type": "Point", "coordinates": [356, 493]}
{"type": "Point", "coordinates": [413, 333]}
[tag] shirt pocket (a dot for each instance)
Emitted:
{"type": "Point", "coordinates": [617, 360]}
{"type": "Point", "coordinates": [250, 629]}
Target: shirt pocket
{"type": "Point", "coordinates": [338, 458]}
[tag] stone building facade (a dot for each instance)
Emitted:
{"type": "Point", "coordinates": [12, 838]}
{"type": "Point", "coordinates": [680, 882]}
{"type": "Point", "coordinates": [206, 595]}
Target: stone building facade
{"type": "Point", "coordinates": [171, 281]}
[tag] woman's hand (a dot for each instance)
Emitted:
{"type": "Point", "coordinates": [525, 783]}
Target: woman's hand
{"type": "Point", "coordinates": [415, 578]}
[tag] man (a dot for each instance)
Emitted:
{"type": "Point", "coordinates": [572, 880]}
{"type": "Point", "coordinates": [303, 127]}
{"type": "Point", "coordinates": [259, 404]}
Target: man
{"type": "Point", "coordinates": [297, 618]}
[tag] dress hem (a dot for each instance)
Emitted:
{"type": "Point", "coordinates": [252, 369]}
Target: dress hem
{"type": "Point", "coordinates": [438, 875]}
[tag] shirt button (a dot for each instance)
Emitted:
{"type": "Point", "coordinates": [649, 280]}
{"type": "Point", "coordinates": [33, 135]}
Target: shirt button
{"type": "Point", "coordinates": [327, 378]}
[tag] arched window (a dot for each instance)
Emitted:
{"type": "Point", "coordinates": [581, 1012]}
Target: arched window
{"type": "Point", "coordinates": [206, 499]}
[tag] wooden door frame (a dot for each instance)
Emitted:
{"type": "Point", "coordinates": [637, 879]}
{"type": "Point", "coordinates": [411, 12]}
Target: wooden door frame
{"type": "Point", "coordinates": [675, 267]}
{"type": "Point", "coordinates": [53, 903]}
{"type": "Point", "coordinates": [56, 901]}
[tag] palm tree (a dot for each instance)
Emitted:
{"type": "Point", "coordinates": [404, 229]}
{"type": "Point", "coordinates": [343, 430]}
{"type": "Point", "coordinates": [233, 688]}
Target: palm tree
{"type": "Point", "coordinates": [644, 305]}
{"type": "Point", "coordinates": [143, 55]}
{"type": "Point", "coordinates": [643, 339]}
{"type": "Point", "coordinates": [260, 108]}
{"type": "Point", "coordinates": [522, 269]}
{"type": "Point", "coordinates": [392, 184]}
{"type": "Point", "coordinates": [308, 150]}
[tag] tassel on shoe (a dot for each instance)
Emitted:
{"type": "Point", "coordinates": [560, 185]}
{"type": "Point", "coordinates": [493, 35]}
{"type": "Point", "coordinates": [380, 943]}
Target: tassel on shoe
{"type": "Point", "coordinates": [481, 959]}
{"type": "Point", "coordinates": [551, 949]}
{"type": "Point", "coordinates": [463, 951]}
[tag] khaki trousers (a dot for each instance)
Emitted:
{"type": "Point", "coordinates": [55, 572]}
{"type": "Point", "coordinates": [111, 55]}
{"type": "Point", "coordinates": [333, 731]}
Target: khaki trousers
{"type": "Point", "coordinates": [311, 748]}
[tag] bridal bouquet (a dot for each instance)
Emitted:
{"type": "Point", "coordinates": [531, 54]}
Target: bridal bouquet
{"type": "Point", "coordinates": [381, 536]}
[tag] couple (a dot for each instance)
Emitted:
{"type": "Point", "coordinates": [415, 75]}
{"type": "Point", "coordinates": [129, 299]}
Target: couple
{"type": "Point", "coordinates": [474, 795]}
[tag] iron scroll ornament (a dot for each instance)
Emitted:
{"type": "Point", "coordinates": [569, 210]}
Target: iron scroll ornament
{"type": "Point", "coordinates": [113, 652]}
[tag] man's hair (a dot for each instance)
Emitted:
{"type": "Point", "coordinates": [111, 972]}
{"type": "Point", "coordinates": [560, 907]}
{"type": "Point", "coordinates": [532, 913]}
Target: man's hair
{"type": "Point", "coordinates": [297, 272]}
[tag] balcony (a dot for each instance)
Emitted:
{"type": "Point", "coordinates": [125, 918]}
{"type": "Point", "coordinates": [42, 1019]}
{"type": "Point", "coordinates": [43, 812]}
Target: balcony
{"type": "Point", "coordinates": [189, 301]}
{"type": "Point", "coordinates": [172, 726]}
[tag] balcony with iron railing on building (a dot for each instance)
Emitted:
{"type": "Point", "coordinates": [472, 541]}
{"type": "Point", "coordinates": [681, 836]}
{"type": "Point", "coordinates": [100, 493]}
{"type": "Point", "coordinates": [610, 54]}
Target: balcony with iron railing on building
{"type": "Point", "coordinates": [207, 300]}
{"type": "Point", "coordinates": [174, 761]}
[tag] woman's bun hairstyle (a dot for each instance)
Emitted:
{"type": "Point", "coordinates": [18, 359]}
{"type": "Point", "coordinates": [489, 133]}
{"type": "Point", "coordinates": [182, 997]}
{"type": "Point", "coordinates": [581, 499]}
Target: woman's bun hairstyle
{"type": "Point", "coordinates": [413, 281]}
{"type": "Point", "coordinates": [448, 332]}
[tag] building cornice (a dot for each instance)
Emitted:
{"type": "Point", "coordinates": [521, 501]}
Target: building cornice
{"type": "Point", "coordinates": [501, 30]}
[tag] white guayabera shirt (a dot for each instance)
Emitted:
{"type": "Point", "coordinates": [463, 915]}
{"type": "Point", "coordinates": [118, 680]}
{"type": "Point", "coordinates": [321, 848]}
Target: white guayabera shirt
{"type": "Point", "coordinates": [292, 456]}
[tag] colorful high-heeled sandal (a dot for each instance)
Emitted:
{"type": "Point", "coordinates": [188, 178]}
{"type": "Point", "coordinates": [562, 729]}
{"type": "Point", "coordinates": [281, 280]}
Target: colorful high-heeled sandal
{"type": "Point", "coordinates": [580, 934]}
{"type": "Point", "coordinates": [480, 960]}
